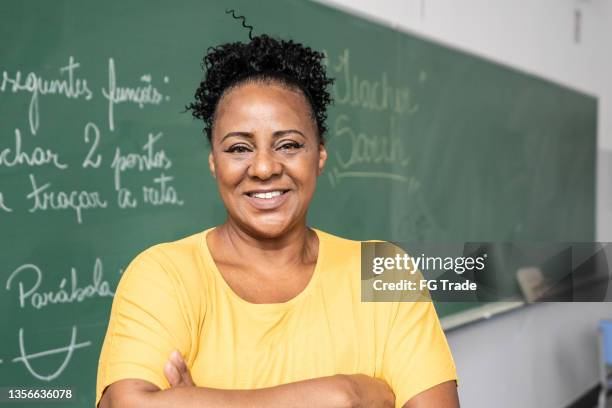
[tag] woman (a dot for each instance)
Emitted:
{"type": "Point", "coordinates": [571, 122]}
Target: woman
{"type": "Point", "coordinates": [262, 310]}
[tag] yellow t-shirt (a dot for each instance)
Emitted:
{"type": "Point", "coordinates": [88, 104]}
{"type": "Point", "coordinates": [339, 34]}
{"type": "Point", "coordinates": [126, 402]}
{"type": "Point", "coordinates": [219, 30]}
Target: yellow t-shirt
{"type": "Point", "coordinates": [172, 296]}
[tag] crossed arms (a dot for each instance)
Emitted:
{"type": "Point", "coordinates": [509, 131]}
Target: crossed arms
{"type": "Point", "coordinates": [338, 391]}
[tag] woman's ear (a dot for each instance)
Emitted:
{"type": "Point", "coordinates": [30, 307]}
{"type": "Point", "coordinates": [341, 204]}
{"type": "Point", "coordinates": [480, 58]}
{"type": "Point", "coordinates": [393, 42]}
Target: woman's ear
{"type": "Point", "coordinates": [322, 157]}
{"type": "Point", "coordinates": [211, 164]}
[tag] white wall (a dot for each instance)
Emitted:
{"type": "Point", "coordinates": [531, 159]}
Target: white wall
{"type": "Point", "coordinates": [543, 355]}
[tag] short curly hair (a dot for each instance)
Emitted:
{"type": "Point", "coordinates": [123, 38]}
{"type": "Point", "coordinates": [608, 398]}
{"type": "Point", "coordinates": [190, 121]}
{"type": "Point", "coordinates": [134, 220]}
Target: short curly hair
{"type": "Point", "coordinates": [262, 59]}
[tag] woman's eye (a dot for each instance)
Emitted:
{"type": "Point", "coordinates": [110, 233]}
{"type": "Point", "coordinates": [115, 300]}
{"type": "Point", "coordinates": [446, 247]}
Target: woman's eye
{"type": "Point", "coordinates": [238, 149]}
{"type": "Point", "coordinates": [291, 146]}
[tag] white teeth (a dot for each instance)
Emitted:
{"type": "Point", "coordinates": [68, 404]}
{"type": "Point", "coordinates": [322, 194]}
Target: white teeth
{"type": "Point", "coordinates": [268, 194]}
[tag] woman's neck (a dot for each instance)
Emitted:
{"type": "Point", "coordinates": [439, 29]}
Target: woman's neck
{"type": "Point", "coordinates": [297, 246]}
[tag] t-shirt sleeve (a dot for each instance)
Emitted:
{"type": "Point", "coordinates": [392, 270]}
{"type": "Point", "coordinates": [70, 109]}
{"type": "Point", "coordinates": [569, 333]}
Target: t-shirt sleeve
{"type": "Point", "coordinates": [417, 356]}
{"type": "Point", "coordinates": [149, 319]}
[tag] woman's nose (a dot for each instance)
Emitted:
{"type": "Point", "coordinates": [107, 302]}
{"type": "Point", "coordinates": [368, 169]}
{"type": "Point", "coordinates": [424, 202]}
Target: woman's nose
{"type": "Point", "coordinates": [264, 165]}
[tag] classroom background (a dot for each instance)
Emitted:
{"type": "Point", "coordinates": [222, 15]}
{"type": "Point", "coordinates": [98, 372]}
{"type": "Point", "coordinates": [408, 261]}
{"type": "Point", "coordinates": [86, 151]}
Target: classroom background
{"type": "Point", "coordinates": [444, 63]}
{"type": "Point", "coordinates": [545, 355]}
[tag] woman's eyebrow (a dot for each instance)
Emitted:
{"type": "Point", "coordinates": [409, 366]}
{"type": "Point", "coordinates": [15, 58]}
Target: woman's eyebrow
{"type": "Point", "coordinates": [279, 133]}
{"type": "Point", "coordinates": [249, 135]}
{"type": "Point", "coordinates": [238, 134]}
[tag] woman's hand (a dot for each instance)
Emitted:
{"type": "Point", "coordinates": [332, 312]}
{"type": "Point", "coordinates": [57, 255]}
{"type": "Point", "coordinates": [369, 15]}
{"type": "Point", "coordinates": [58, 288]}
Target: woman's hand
{"type": "Point", "coordinates": [176, 371]}
{"type": "Point", "coordinates": [369, 392]}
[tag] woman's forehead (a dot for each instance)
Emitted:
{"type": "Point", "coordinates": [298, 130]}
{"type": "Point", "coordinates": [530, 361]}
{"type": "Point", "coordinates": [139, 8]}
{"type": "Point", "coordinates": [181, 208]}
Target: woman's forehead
{"type": "Point", "coordinates": [265, 90]}
{"type": "Point", "coordinates": [259, 102]}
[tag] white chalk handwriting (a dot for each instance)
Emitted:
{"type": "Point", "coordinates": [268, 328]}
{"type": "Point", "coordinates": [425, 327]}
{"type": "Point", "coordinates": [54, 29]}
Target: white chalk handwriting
{"type": "Point", "coordinates": [162, 193]}
{"type": "Point", "coordinates": [37, 157]}
{"type": "Point", "coordinates": [77, 200]}
{"type": "Point", "coordinates": [92, 129]}
{"type": "Point", "coordinates": [142, 95]}
{"type": "Point", "coordinates": [69, 86]}
{"type": "Point", "coordinates": [28, 278]}
{"type": "Point", "coordinates": [151, 159]}
{"type": "Point", "coordinates": [387, 152]}
{"type": "Point", "coordinates": [25, 358]}
{"type": "Point", "coordinates": [3, 206]}
{"type": "Point", "coordinates": [376, 95]}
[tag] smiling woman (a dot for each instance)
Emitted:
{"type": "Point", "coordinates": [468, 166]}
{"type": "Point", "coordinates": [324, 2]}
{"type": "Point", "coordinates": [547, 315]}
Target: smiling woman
{"type": "Point", "coordinates": [263, 310]}
{"type": "Point", "coordinates": [266, 158]}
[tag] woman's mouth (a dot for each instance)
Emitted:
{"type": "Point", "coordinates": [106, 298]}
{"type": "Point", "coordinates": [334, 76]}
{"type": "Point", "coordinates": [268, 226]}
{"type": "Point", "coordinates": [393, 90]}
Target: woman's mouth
{"type": "Point", "coordinates": [267, 200]}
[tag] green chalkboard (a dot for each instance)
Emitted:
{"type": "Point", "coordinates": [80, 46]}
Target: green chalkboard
{"type": "Point", "coordinates": [98, 160]}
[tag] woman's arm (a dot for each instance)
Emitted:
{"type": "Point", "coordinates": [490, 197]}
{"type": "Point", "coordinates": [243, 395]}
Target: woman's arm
{"type": "Point", "coordinates": [319, 392]}
{"type": "Point", "coordinates": [334, 391]}
{"type": "Point", "coordinates": [440, 396]}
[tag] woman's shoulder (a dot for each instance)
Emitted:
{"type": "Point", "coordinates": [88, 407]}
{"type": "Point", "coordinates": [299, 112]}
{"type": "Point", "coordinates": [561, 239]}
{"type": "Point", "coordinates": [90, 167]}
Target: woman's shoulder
{"type": "Point", "coordinates": [344, 251]}
{"type": "Point", "coordinates": [179, 258]}
{"type": "Point", "coordinates": [337, 242]}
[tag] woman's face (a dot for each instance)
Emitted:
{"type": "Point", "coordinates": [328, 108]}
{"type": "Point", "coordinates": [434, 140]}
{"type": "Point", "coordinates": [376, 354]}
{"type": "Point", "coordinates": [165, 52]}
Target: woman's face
{"type": "Point", "coordinates": [266, 157]}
